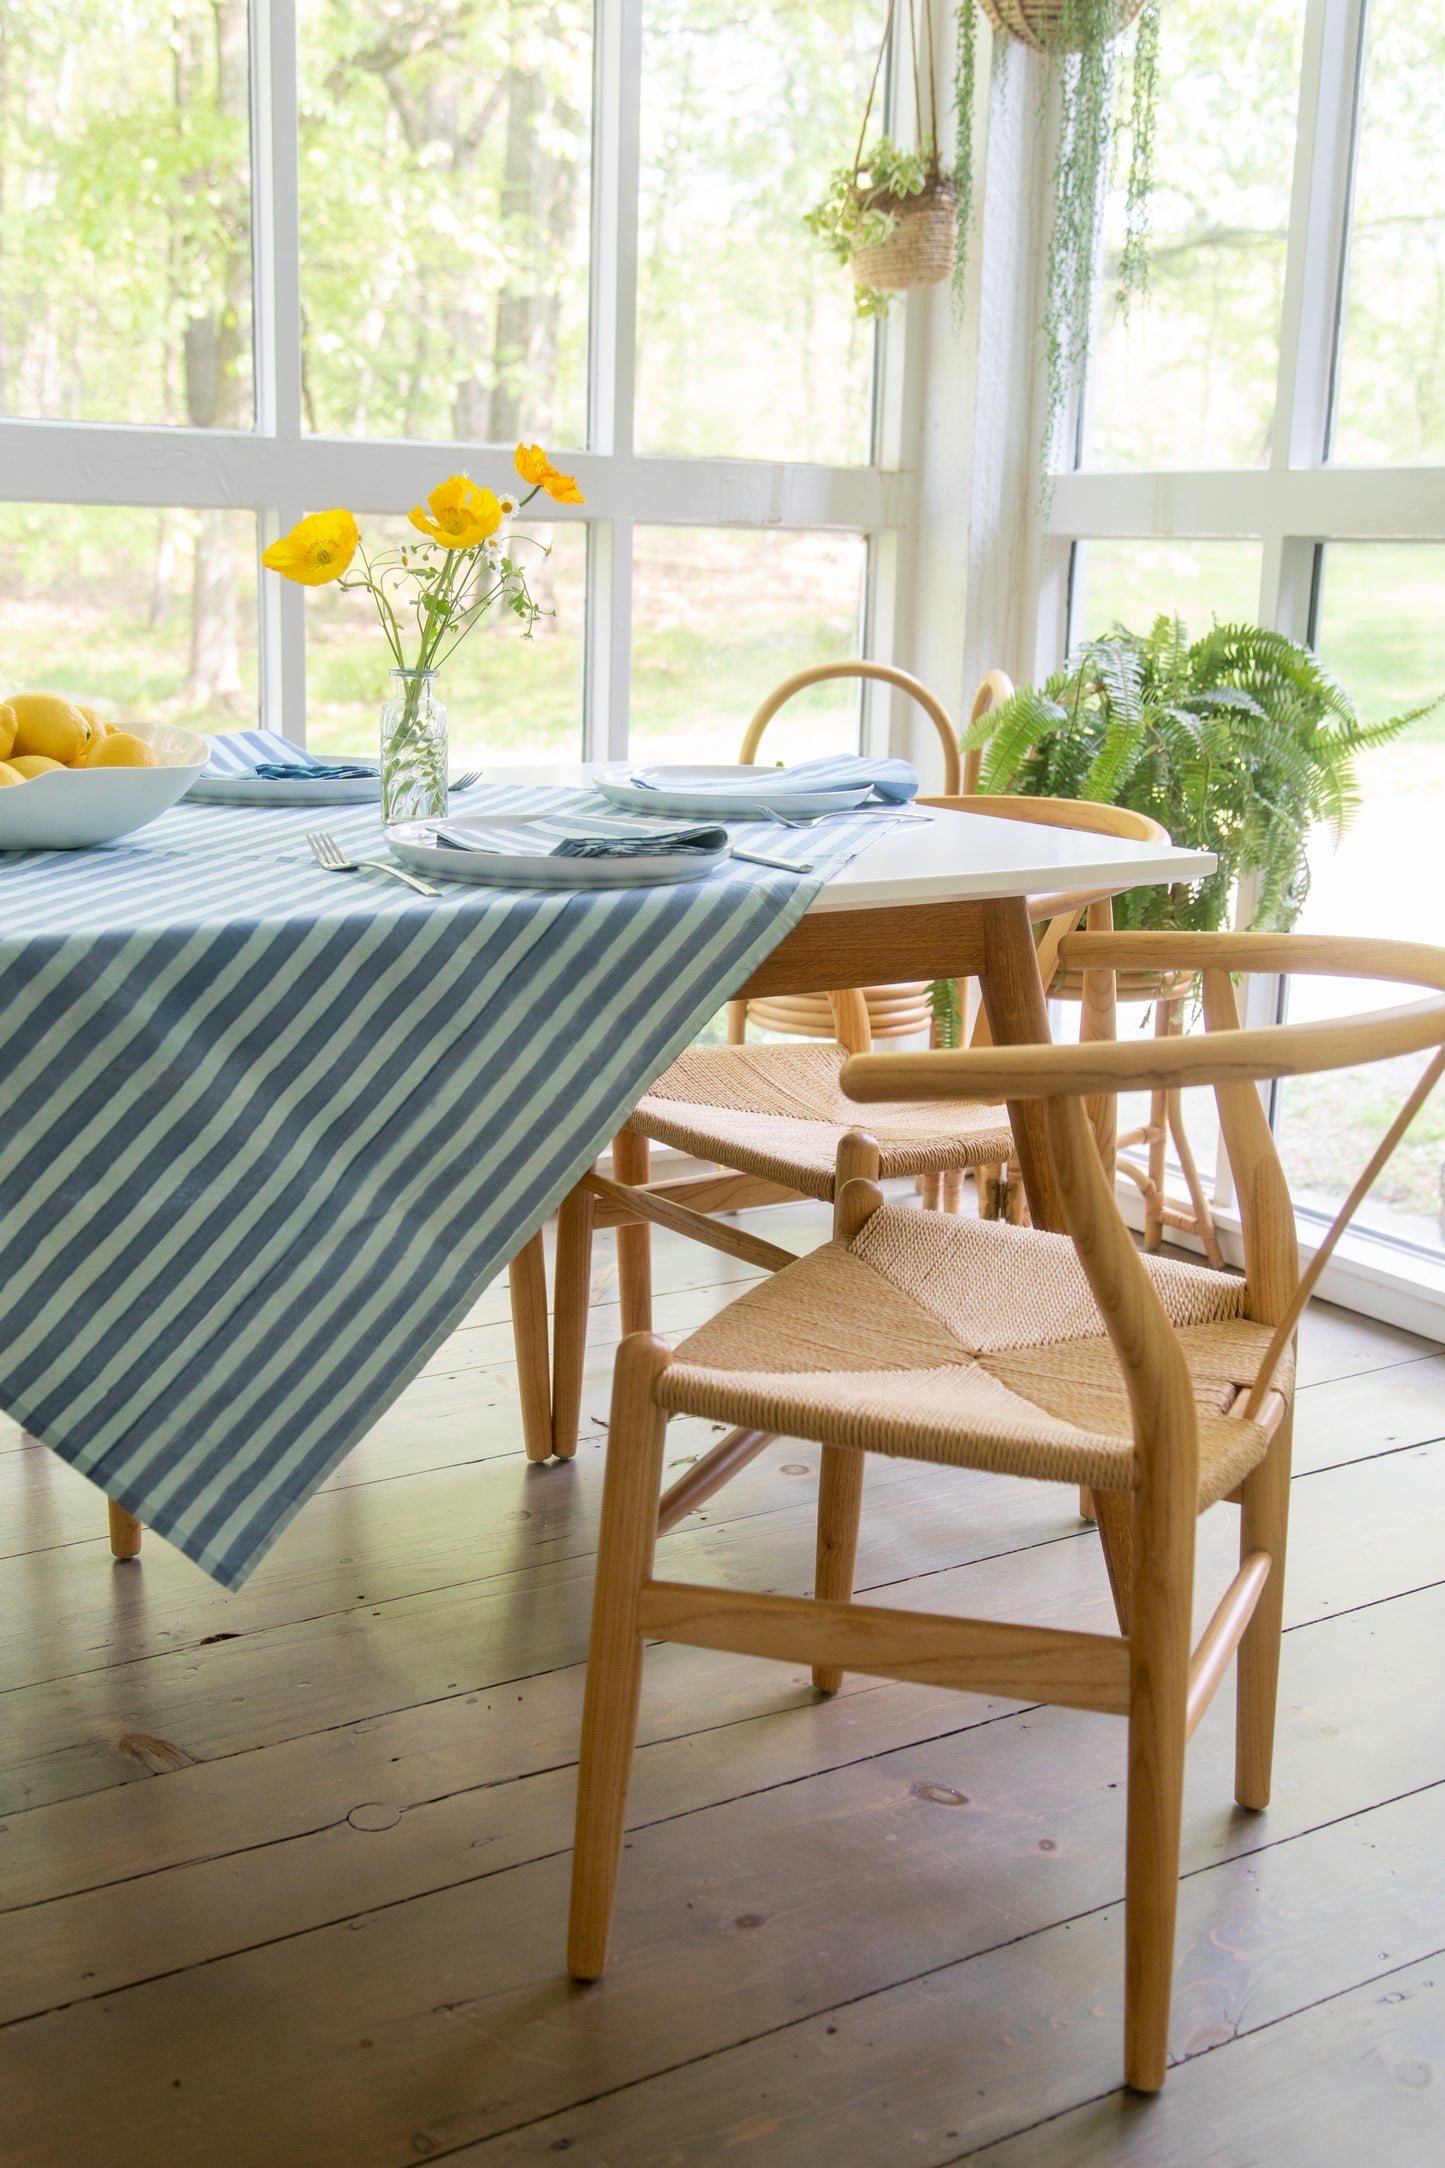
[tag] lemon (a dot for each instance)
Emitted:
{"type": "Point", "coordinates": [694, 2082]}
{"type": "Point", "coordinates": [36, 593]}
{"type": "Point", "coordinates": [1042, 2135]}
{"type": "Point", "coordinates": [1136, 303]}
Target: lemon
{"type": "Point", "coordinates": [96, 721]}
{"type": "Point", "coordinates": [9, 724]}
{"type": "Point", "coordinates": [27, 765]}
{"type": "Point", "coordinates": [122, 749]}
{"type": "Point", "coordinates": [52, 725]}
{"type": "Point", "coordinates": [8, 774]}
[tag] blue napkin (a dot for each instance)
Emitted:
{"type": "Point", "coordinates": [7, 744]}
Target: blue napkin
{"type": "Point", "coordinates": [893, 782]}
{"type": "Point", "coordinates": [557, 836]}
{"type": "Point", "coordinates": [276, 759]}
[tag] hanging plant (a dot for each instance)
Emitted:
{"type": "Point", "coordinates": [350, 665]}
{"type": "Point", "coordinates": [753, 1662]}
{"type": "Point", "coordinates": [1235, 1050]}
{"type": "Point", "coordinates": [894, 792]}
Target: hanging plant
{"type": "Point", "coordinates": [1082, 42]}
{"type": "Point", "coordinates": [890, 213]}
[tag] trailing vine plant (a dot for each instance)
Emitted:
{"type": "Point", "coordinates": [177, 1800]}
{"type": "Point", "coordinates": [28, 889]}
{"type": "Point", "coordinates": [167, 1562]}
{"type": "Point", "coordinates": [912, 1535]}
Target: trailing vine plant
{"type": "Point", "coordinates": [1083, 44]}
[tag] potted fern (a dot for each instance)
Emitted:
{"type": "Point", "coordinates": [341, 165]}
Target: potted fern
{"type": "Point", "coordinates": [1240, 743]}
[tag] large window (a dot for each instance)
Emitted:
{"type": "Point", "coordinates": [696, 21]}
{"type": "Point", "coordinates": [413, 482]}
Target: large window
{"type": "Point", "coordinates": [259, 261]}
{"type": "Point", "coordinates": [1259, 441]}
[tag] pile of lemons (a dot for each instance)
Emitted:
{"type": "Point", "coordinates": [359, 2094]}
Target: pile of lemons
{"type": "Point", "coordinates": [41, 731]}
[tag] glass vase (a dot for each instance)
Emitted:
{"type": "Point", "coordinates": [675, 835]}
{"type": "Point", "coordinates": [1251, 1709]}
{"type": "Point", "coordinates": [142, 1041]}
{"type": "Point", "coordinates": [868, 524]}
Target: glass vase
{"type": "Point", "coordinates": [413, 749]}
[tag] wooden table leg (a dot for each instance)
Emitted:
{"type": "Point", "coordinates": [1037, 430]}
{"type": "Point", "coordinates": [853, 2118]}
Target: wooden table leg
{"type": "Point", "coordinates": [1013, 997]}
{"type": "Point", "coordinates": [527, 1274]}
{"type": "Point", "coordinates": [571, 1295]}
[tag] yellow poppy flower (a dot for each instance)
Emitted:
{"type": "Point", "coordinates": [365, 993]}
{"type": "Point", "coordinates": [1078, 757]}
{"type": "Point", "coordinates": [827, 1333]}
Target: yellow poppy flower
{"type": "Point", "coordinates": [533, 465]}
{"type": "Point", "coordinates": [317, 549]}
{"type": "Point", "coordinates": [462, 514]}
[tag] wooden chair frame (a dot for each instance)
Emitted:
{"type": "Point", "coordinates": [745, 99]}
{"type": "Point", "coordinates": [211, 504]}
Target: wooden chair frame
{"type": "Point", "coordinates": [1148, 1673]}
{"type": "Point", "coordinates": [890, 1011]}
{"type": "Point", "coordinates": [632, 1203]}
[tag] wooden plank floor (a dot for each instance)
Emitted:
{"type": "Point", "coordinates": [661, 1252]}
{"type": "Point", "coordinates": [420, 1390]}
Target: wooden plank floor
{"type": "Point", "coordinates": [283, 1874]}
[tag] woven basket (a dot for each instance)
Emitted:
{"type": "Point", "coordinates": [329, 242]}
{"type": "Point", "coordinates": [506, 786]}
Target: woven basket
{"type": "Point", "coordinates": [919, 251]}
{"type": "Point", "coordinates": [1040, 23]}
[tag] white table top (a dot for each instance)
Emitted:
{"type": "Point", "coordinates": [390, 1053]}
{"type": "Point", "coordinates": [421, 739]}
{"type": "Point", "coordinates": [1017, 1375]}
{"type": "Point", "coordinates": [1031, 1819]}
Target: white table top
{"type": "Point", "coordinates": [960, 857]}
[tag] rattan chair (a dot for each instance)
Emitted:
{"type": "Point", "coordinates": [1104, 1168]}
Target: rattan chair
{"type": "Point", "coordinates": [1165, 1387]}
{"type": "Point", "coordinates": [774, 1118]}
{"type": "Point", "coordinates": [894, 1012]}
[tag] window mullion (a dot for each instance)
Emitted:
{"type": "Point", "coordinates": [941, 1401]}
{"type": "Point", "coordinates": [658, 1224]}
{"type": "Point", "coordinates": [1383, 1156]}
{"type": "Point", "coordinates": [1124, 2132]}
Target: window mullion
{"type": "Point", "coordinates": [276, 282]}
{"type": "Point", "coordinates": [1318, 230]}
{"type": "Point", "coordinates": [612, 366]}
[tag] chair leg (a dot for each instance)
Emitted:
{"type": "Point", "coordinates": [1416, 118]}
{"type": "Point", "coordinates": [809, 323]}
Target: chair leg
{"type": "Point", "coordinates": [1263, 1526]}
{"type": "Point", "coordinates": [569, 1322]}
{"type": "Point", "coordinates": [614, 1664]}
{"type": "Point", "coordinates": [527, 1276]}
{"type": "Point", "coordinates": [840, 1478]}
{"type": "Point", "coordinates": [1114, 1513]}
{"type": "Point", "coordinates": [125, 1531]}
{"type": "Point", "coordinates": [953, 1190]}
{"type": "Point", "coordinates": [1158, 1697]}
{"type": "Point", "coordinates": [737, 1023]}
{"type": "Point", "coordinates": [990, 1191]}
{"type": "Point", "coordinates": [632, 1163]}
{"type": "Point", "coordinates": [840, 1509]}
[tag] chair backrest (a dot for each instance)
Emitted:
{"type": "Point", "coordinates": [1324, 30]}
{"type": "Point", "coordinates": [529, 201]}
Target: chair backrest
{"type": "Point", "coordinates": [994, 688]}
{"type": "Point", "coordinates": [1233, 1061]}
{"type": "Point", "coordinates": [882, 672]}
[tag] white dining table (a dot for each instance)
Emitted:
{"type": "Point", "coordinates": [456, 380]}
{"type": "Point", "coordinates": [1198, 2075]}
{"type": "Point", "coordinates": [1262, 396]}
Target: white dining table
{"type": "Point", "coordinates": [949, 897]}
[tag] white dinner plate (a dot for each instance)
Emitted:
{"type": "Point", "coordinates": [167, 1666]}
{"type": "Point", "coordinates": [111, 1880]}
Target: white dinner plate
{"type": "Point", "coordinates": [417, 847]}
{"type": "Point", "coordinates": [258, 790]}
{"type": "Point", "coordinates": [701, 793]}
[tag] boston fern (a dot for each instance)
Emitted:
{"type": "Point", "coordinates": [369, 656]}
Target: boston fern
{"type": "Point", "coordinates": [1238, 743]}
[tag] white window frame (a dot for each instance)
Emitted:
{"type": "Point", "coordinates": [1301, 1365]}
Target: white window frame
{"type": "Point", "coordinates": [279, 471]}
{"type": "Point", "coordinates": [1293, 508]}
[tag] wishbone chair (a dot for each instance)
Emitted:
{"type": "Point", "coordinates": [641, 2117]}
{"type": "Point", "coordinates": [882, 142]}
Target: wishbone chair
{"type": "Point", "coordinates": [1165, 1387]}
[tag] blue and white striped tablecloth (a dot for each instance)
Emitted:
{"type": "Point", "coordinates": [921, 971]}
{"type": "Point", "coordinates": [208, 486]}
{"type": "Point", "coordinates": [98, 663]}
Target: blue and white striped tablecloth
{"type": "Point", "coordinates": [265, 1131]}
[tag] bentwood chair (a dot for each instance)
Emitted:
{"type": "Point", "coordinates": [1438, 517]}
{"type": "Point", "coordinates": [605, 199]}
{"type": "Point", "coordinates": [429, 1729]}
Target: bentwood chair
{"type": "Point", "coordinates": [774, 1119]}
{"type": "Point", "coordinates": [1165, 1387]}
{"type": "Point", "coordinates": [894, 1012]}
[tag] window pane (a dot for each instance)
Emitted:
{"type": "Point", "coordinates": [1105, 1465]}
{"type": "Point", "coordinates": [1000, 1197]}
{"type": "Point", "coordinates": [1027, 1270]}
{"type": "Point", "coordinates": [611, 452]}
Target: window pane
{"type": "Point", "coordinates": [1132, 583]}
{"type": "Point", "coordinates": [150, 613]}
{"type": "Point", "coordinates": [1190, 381]}
{"type": "Point", "coordinates": [1392, 362]}
{"type": "Point", "coordinates": [1382, 631]}
{"type": "Point", "coordinates": [719, 618]}
{"type": "Point", "coordinates": [748, 344]}
{"type": "Point", "coordinates": [125, 275]}
{"type": "Point", "coordinates": [507, 698]}
{"type": "Point", "coordinates": [444, 218]}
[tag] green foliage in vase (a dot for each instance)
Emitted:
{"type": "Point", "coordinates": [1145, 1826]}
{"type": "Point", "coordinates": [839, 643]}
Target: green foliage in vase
{"type": "Point", "coordinates": [1094, 90]}
{"type": "Point", "coordinates": [856, 210]}
{"type": "Point", "coordinates": [1240, 743]}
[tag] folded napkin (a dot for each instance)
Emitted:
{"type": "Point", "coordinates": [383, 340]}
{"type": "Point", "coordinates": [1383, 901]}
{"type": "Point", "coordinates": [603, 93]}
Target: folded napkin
{"type": "Point", "coordinates": [558, 836]}
{"type": "Point", "coordinates": [893, 782]}
{"type": "Point", "coordinates": [276, 759]}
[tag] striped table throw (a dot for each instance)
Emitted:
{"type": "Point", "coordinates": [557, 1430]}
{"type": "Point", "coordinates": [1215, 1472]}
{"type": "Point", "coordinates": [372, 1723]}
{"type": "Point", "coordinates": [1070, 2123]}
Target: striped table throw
{"type": "Point", "coordinates": [268, 1131]}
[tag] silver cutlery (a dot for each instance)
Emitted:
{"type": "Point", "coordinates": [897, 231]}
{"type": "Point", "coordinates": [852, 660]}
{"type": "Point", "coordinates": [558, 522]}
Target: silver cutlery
{"type": "Point", "coordinates": [328, 854]}
{"type": "Point", "coordinates": [465, 780]}
{"type": "Point", "coordinates": [779, 865]}
{"type": "Point", "coordinates": [811, 820]}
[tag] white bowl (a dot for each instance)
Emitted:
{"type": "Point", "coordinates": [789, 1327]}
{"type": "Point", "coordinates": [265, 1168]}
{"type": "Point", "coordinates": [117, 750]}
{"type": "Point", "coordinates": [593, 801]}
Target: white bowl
{"type": "Point", "coordinates": [67, 809]}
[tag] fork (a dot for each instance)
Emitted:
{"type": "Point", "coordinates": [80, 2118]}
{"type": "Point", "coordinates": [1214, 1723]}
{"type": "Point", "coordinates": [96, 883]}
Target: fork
{"type": "Point", "coordinates": [328, 854]}
{"type": "Point", "coordinates": [465, 780]}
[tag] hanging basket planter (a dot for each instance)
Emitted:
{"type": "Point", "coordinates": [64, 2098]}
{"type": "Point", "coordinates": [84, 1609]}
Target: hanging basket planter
{"type": "Point", "coordinates": [1050, 26]}
{"type": "Point", "coordinates": [919, 250]}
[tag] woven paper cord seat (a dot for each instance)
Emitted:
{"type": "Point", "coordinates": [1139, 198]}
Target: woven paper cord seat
{"type": "Point", "coordinates": [778, 1112]}
{"type": "Point", "coordinates": [969, 1342]}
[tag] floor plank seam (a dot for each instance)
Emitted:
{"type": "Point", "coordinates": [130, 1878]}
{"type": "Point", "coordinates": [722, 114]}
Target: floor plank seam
{"type": "Point", "coordinates": [1216, 2047]}
{"type": "Point", "coordinates": [855, 2002]}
